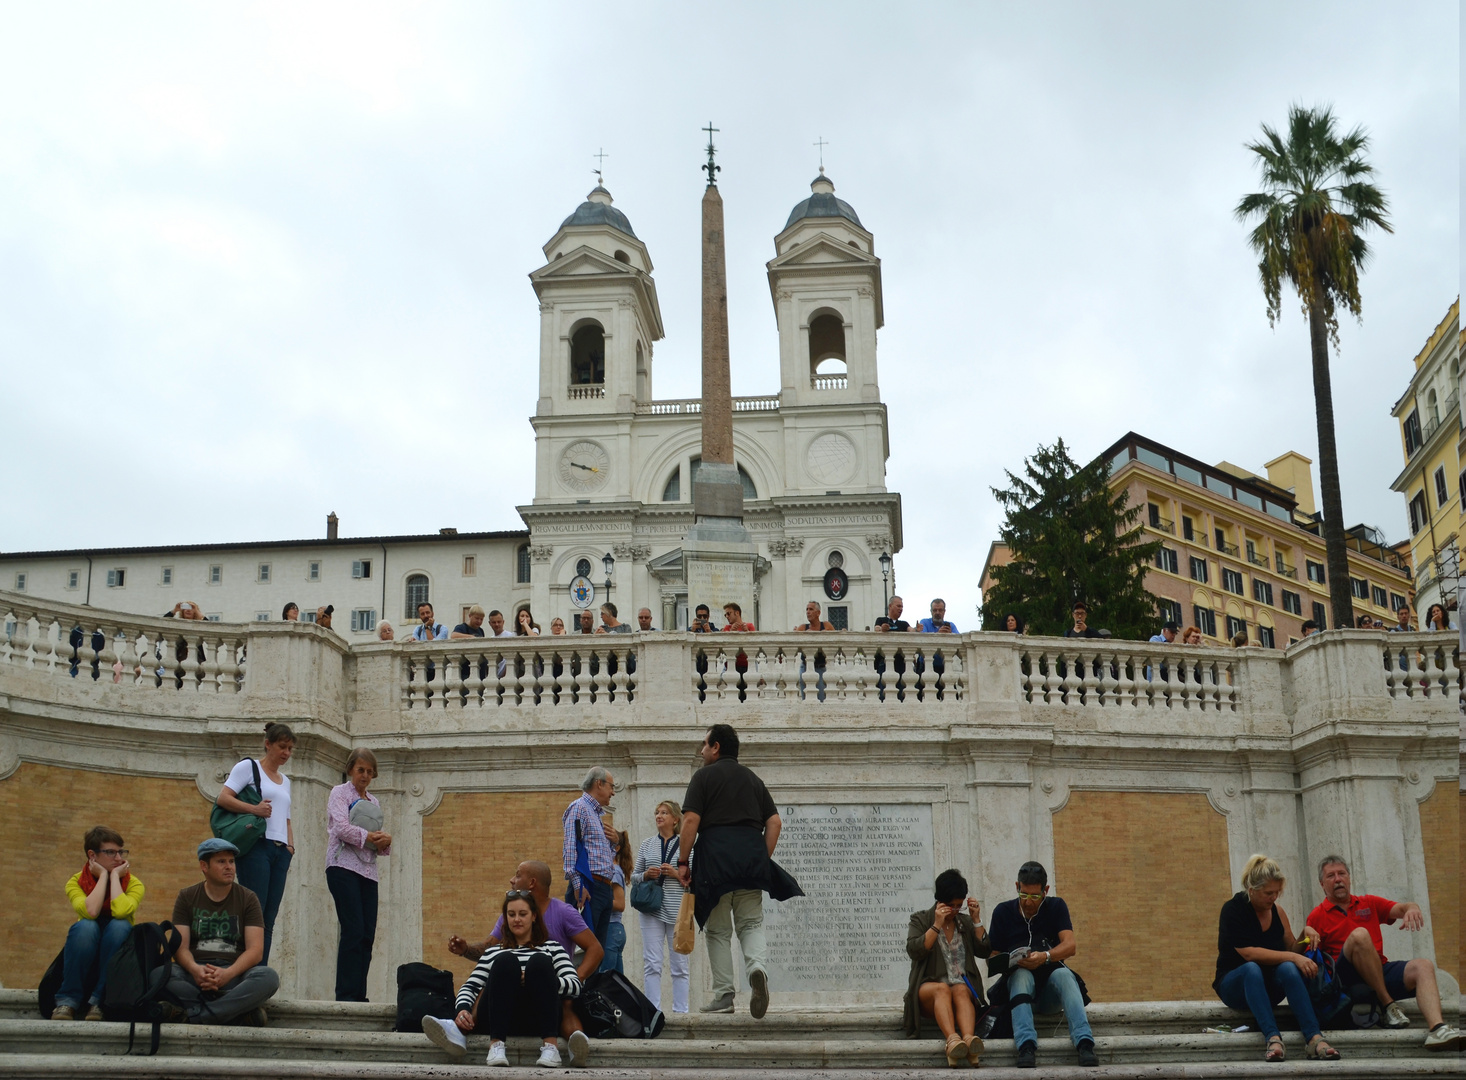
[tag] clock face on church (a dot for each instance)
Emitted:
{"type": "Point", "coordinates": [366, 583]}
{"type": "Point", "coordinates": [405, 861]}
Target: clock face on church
{"type": "Point", "coordinates": [584, 466]}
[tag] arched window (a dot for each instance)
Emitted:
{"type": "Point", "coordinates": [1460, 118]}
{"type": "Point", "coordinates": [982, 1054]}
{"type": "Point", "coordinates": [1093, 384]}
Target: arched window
{"type": "Point", "coordinates": [588, 355]}
{"type": "Point", "coordinates": [621, 256]}
{"type": "Point", "coordinates": [749, 492]}
{"type": "Point", "coordinates": [673, 491]}
{"type": "Point", "coordinates": [1435, 412]}
{"type": "Point", "coordinates": [827, 360]}
{"type": "Point", "coordinates": [417, 593]}
{"type": "Point", "coordinates": [522, 565]}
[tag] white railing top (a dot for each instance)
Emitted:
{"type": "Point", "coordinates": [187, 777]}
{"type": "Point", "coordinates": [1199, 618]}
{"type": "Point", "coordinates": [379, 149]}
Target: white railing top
{"type": "Point", "coordinates": [693, 406]}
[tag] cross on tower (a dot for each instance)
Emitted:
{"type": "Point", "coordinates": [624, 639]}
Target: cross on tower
{"type": "Point", "coordinates": [822, 144]}
{"type": "Point", "coordinates": [712, 168]}
{"type": "Point", "coordinates": [600, 157]}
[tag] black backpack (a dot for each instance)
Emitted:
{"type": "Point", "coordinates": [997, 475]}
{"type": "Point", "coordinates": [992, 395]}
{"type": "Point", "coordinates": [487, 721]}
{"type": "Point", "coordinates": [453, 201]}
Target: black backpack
{"type": "Point", "coordinates": [610, 1007]}
{"type": "Point", "coordinates": [51, 982]}
{"type": "Point", "coordinates": [423, 990]}
{"type": "Point", "coordinates": [137, 979]}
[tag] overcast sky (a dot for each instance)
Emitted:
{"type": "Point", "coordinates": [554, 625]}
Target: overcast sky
{"type": "Point", "coordinates": [261, 262]}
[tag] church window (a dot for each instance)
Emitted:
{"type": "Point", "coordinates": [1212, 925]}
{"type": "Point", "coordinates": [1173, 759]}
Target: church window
{"type": "Point", "coordinates": [827, 360]}
{"type": "Point", "coordinates": [673, 491]}
{"type": "Point", "coordinates": [521, 562]}
{"type": "Point", "coordinates": [588, 355]}
{"type": "Point", "coordinates": [836, 560]}
{"type": "Point", "coordinates": [417, 593]}
{"type": "Point", "coordinates": [621, 256]}
{"type": "Point", "coordinates": [582, 568]}
{"type": "Point", "coordinates": [838, 616]}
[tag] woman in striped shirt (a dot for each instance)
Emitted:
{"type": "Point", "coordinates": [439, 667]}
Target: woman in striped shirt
{"type": "Point", "coordinates": [656, 860]}
{"type": "Point", "coordinates": [523, 980]}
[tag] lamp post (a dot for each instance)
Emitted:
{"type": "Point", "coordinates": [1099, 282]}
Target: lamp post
{"type": "Point", "coordinates": [610, 564]}
{"type": "Point", "coordinates": [885, 581]}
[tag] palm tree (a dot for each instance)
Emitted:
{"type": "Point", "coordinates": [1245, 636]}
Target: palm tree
{"type": "Point", "coordinates": [1316, 201]}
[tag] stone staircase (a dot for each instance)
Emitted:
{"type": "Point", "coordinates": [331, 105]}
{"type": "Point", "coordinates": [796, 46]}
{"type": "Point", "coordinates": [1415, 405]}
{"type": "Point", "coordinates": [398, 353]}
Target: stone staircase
{"type": "Point", "coordinates": [328, 1039]}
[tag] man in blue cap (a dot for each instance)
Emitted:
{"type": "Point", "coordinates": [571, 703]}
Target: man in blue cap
{"type": "Point", "coordinates": [217, 976]}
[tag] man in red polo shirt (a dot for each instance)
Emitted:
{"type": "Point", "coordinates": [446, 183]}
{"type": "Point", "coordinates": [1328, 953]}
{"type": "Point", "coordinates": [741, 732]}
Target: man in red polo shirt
{"type": "Point", "coordinates": [1347, 926]}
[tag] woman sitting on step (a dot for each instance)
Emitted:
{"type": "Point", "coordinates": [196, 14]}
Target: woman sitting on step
{"type": "Point", "coordinates": [944, 943]}
{"type": "Point", "coordinates": [1259, 962]}
{"type": "Point", "coordinates": [524, 980]}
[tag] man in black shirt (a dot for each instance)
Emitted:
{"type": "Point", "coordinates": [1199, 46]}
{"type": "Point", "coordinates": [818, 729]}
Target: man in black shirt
{"type": "Point", "coordinates": [1081, 626]}
{"type": "Point", "coordinates": [1035, 930]}
{"type": "Point", "coordinates": [739, 826]}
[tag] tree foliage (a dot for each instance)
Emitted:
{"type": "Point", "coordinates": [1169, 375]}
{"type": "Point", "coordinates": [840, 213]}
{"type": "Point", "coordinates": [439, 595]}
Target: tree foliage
{"type": "Point", "coordinates": [1071, 538]}
{"type": "Point", "coordinates": [1316, 201]}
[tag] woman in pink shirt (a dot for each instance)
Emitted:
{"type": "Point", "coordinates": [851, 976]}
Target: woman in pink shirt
{"type": "Point", "coordinates": [354, 839]}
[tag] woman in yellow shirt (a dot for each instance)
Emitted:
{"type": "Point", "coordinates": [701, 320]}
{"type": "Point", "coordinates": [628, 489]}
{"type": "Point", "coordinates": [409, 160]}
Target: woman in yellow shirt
{"type": "Point", "coordinates": [105, 895]}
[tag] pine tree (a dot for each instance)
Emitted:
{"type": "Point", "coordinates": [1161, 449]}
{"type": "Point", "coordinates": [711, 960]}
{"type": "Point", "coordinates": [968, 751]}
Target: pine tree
{"type": "Point", "coordinates": [1071, 538]}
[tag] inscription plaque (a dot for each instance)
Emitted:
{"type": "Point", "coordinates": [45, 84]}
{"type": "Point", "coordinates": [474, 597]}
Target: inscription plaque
{"type": "Point", "coordinates": [864, 870]}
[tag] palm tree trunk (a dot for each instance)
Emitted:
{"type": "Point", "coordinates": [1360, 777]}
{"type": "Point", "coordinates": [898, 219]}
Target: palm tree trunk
{"type": "Point", "coordinates": [1337, 555]}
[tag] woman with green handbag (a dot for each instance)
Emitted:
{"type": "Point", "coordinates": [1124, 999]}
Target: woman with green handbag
{"type": "Point", "coordinates": [262, 868]}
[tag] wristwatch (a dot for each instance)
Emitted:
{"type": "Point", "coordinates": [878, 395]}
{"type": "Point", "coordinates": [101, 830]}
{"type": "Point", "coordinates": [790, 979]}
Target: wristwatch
{"type": "Point", "coordinates": [683, 862]}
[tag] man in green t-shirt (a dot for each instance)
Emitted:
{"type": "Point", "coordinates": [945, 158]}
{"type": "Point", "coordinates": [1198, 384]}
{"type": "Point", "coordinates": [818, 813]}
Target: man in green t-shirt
{"type": "Point", "coordinates": [217, 976]}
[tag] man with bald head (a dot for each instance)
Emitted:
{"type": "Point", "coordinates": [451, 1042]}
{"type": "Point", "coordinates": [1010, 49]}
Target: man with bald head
{"type": "Point", "coordinates": [564, 924]}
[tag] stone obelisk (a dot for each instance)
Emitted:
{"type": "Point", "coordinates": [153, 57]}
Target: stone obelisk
{"type": "Point", "coordinates": [718, 553]}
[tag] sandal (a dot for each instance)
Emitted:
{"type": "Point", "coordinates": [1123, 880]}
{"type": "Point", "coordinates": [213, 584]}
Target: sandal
{"type": "Point", "coordinates": [1274, 1049]}
{"type": "Point", "coordinates": [974, 1049]}
{"type": "Point", "coordinates": [956, 1050]}
{"type": "Point", "coordinates": [1320, 1050]}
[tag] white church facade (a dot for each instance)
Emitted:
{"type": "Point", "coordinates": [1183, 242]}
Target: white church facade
{"type": "Point", "coordinates": [613, 467]}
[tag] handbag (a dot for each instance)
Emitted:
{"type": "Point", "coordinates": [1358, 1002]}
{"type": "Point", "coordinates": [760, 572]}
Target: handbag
{"type": "Point", "coordinates": [241, 830]}
{"type": "Point", "coordinates": [647, 896]}
{"type": "Point", "coordinates": [684, 937]}
{"type": "Point", "coordinates": [365, 814]}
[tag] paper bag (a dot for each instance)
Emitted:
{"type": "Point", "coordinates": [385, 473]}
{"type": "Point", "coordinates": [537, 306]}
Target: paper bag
{"type": "Point", "coordinates": [684, 937]}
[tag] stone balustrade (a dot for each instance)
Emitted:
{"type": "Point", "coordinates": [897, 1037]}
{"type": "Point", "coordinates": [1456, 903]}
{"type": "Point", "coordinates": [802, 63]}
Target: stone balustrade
{"type": "Point", "coordinates": [693, 406]}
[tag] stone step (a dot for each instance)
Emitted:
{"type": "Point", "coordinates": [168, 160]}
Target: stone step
{"type": "Point", "coordinates": [42, 1067]}
{"type": "Point", "coordinates": [863, 1023]}
{"type": "Point", "coordinates": [53, 1039]}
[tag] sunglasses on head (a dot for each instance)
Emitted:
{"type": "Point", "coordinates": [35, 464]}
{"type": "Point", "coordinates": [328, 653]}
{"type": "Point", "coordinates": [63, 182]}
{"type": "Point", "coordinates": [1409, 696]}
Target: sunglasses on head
{"type": "Point", "coordinates": [519, 894]}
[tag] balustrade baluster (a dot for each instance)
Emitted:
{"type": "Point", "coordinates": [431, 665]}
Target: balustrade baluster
{"type": "Point", "coordinates": [1073, 678]}
{"type": "Point", "coordinates": [1230, 696]}
{"type": "Point", "coordinates": [1414, 673]}
{"type": "Point", "coordinates": [864, 676]}
{"type": "Point", "coordinates": [1450, 670]}
{"type": "Point", "coordinates": [107, 656]}
{"type": "Point", "coordinates": [473, 682]}
{"type": "Point", "coordinates": [208, 667]}
{"type": "Point", "coordinates": [227, 655]}
{"type": "Point", "coordinates": [44, 652]}
{"type": "Point", "coordinates": [412, 668]}
{"type": "Point", "coordinates": [1125, 682]}
{"type": "Point", "coordinates": [719, 664]}
{"type": "Point", "coordinates": [450, 678]}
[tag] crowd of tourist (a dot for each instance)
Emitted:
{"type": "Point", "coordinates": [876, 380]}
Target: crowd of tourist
{"type": "Point", "coordinates": [708, 861]}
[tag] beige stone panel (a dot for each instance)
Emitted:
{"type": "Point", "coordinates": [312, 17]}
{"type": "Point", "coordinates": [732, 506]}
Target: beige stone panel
{"type": "Point", "coordinates": [1441, 818]}
{"type": "Point", "coordinates": [1145, 876]}
{"type": "Point", "coordinates": [162, 821]}
{"type": "Point", "coordinates": [471, 844]}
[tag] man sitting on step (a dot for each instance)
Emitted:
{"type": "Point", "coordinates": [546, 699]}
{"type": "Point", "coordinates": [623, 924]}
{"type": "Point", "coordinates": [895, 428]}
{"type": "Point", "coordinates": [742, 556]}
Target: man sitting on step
{"type": "Point", "coordinates": [565, 925]}
{"type": "Point", "coordinates": [1347, 927]}
{"type": "Point", "coordinates": [217, 976]}
{"type": "Point", "coordinates": [1035, 930]}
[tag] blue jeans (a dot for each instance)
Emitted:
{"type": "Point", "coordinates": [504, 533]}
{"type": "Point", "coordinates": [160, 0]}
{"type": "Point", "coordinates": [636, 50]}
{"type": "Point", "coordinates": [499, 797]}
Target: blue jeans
{"type": "Point", "coordinates": [87, 943]}
{"type": "Point", "coordinates": [1248, 988]}
{"type": "Point", "coordinates": [1060, 992]}
{"type": "Point", "coordinates": [262, 871]}
{"type": "Point", "coordinates": [615, 942]}
{"type": "Point", "coordinates": [356, 911]}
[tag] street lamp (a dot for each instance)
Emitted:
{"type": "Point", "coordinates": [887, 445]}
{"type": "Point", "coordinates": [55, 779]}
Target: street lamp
{"type": "Point", "coordinates": [610, 564]}
{"type": "Point", "coordinates": [886, 579]}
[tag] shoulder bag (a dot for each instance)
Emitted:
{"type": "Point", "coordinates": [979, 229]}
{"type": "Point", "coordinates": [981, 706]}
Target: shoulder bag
{"type": "Point", "coordinates": [241, 830]}
{"type": "Point", "coordinates": [646, 896]}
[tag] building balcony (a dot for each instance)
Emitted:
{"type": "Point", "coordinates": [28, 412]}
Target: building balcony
{"type": "Point", "coordinates": [1224, 548]}
{"type": "Point", "coordinates": [693, 406]}
{"type": "Point", "coordinates": [586, 391]}
{"type": "Point", "coordinates": [1160, 524]}
{"type": "Point", "coordinates": [1285, 570]}
{"type": "Point", "coordinates": [829, 382]}
{"type": "Point", "coordinates": [1257, 559]}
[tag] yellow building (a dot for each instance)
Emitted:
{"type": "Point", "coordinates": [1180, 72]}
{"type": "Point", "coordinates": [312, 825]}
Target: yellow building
{"type": "Point", "coordinates": [1429, 414]}
{"type": "Point", "coordinates": [1241, 552]}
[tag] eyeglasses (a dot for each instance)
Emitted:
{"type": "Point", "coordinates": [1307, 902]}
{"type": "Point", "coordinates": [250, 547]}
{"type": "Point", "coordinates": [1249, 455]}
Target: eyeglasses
{"type": "Point", "coordinates": [1030, 895]}
{"type": "Point", "coordinates": [118, 853]}
{"type": "Point", "coordinates": [519, 894]}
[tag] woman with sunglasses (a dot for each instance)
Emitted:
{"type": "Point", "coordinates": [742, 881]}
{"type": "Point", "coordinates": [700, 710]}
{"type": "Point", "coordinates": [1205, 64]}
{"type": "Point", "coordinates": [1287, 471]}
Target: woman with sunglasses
{"type": "Point", "coordinates": [944, 942]}
{"type": "Point", "coordinates": [523, 979]}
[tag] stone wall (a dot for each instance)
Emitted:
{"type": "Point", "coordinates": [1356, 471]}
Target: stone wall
{"type": "Point", "coordinates": [1145, 875]}
{"type": "Point", "coordinates": [49, 810]}
{"type": "Point", "coordinates": [1441, 818]}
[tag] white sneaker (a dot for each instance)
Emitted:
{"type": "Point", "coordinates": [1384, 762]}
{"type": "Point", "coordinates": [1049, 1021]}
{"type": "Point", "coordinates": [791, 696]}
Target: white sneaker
{"type": "Point", "coordinates": [445, 1036]}
{"type": "Point", "coordinates": [1394, 1016]}
{"type": "Point", "coordinates": [497, 1055]}
{"type": "Point", "coordinates": [1443, 1037]}
{"type": "Point", "coordinates": [549, 1056]}
{"type": "Point", "coordinates": [579, 1047]}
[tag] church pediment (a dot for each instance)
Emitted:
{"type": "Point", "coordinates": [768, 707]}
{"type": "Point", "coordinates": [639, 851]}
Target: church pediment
{"type": "Point", "coordinates": [581, 262]}
{"type": "Point", "coordinates": [823, 249]}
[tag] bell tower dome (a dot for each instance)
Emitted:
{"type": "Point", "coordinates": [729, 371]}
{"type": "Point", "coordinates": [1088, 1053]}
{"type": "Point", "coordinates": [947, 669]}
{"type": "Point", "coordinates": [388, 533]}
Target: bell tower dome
{"type": "Point", "coordinates": [825, 281]}
{"type": "Point", "coordinates": [599, 314]}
